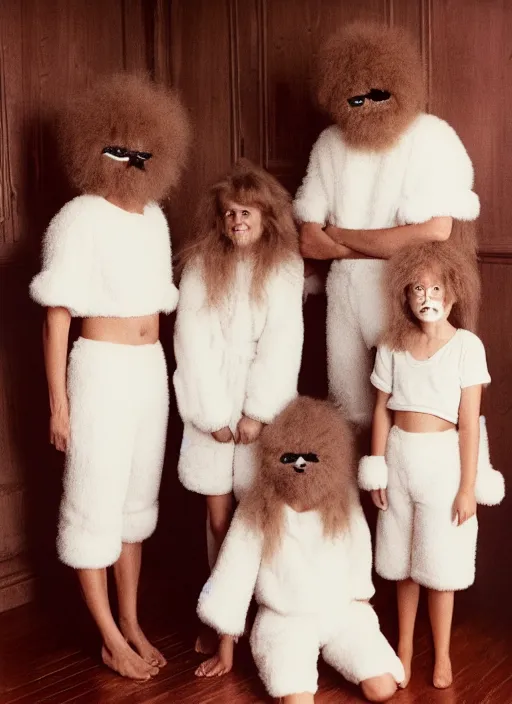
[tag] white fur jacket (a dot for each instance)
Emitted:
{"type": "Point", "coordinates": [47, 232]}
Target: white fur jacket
{"type": "Point", "coordinates": [242, 356]}
{"type": "Point", "coordinates": [308, 575]}
{"type": "Point", "coordinates": [428, 173]}
{"type": "Point", "coordinates": [100, 260]}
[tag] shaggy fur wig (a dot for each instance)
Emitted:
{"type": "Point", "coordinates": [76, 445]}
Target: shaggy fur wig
{"type": "Point", "coordinates": [328, 486]}
{"type": "Point", "coordinates": [132, 112]}
{"type": "Point", "coordinates": [252, 186]}
{"type": "Point", "coordinates": [459, 274]}
{"type": "Point", "coordinates": [366, 56]}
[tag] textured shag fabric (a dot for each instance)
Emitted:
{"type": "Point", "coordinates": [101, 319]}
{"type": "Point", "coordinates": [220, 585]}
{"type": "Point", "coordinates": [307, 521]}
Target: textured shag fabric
{"type": "Point", "coordinates": [118, 396]}
{"type": "Point", "coordinates": [100, 260]}
{"type": "Point", "coordinates": [242, 356]}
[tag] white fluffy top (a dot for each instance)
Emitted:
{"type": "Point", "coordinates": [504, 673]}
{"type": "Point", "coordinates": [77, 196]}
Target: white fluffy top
{"type": "Point", "coordinates": [100, 260]}
{"type": "Point", "coordinates": [432, 385]}
{"type": "Point", "coordinates": [426, 174]}
{"type": "Point", "coordinates": [309, 574]}
{"type": "Point", "coordinates": [259, 342]}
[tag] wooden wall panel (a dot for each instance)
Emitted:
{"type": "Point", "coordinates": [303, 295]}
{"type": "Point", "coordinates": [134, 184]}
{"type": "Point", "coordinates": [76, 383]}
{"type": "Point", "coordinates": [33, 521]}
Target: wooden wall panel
{"type": "Point", "coordinates": [471, 76]}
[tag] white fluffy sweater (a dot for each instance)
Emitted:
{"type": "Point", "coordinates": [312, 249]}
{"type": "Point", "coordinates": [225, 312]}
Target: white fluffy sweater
{"type": "Point", "coordinates": [242, 356]}
{"type": "Point", "coordinates": [100, 260]}
{"type": "Point", "coordinates": [428, 173]}
{"type": "Point", "coordinates": [308, 575]}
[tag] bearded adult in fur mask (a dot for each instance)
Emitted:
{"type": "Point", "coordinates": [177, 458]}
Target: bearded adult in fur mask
{"type": "Point", "coordinates": [299, 540]}
{"type": "Point", "coordinates": [107, 260]}
{"type": "Point", "coordinates": [383, 176]}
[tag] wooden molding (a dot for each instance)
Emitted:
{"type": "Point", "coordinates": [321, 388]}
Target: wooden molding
{"type": "Point", "coordinates": [495, 254]}
{"type": "Point", "coordinates": [18, 587]}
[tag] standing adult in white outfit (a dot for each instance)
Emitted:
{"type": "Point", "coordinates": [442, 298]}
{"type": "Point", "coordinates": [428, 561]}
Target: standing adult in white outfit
{"type": "Point", "coordinates": [385, 175]}
{"type": "Point", "coordinates": [107, 260]}
{"type": "Point", "coordinates": [238, 343]}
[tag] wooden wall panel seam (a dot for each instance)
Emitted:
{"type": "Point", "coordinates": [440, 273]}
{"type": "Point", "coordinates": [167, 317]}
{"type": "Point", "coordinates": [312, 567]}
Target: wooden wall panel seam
{"type": "Point", "coordinates": [237, 147]}
{"type": "Point", "coordinates": [426, 46]}
{"type": "Point", "coordinates": [263, 82]}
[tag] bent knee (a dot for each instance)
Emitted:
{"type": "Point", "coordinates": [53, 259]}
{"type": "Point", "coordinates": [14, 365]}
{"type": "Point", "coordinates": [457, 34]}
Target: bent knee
{"type": "Point", "coordinates": [379, 689]}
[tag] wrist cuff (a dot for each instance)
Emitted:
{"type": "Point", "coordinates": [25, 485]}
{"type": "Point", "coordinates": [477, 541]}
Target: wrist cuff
{"type": "Point", "coordinates": [373, 473]}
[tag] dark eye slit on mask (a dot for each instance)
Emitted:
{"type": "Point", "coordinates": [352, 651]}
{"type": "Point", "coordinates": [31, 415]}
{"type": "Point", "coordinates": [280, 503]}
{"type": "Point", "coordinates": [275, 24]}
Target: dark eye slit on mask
{"type": "Point", "coordinates": [134, 158]}
{"type": "Point", "coordinates": [375, 95]}
{"type": "Point", "coordinates": [292, 457]}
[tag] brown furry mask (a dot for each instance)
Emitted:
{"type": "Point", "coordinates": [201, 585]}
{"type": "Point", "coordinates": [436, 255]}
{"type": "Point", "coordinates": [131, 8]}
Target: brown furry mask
{"type": "Point", "coordinates": [125, 138]}
{"type": "Point", "coordinates": [307, 462]}
{"type": "Point", "coordinates": [370, 80]}
{"type": "Point", "coordinates": [456, 266]}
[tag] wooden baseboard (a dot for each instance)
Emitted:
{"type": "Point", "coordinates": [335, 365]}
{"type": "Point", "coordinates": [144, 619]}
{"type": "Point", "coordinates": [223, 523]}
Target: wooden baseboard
{"type": "Point", "coordinates": [16, 589]}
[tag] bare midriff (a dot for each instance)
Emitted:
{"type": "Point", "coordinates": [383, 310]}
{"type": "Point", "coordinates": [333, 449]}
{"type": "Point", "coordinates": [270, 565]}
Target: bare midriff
{"type": "Point", "coordinates": [142, 330]}
{"type": "Point", "coordinates": [413, 422]}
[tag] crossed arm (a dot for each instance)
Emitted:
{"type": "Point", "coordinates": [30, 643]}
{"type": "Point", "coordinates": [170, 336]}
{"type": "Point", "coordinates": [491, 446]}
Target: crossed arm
{"type": "Point", "coordinates": [339, 243]}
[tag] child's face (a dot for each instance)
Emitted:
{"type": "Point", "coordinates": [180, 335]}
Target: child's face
{"type": "Point", "coordinates": [427, 298]}
{"type": "Point", "coordinates": [242, 224]}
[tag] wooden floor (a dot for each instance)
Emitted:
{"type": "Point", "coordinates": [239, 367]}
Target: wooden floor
{"type": "Point", "coordinates": [48, 656]}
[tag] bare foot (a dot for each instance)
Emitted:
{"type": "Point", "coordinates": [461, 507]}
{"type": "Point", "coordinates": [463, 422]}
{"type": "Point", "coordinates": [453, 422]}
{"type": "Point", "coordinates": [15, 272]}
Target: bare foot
{"type": "Point", "coordinates": [405, 655]}
{"type": "Point", "coordinates": [221, 663]}
{"type": "Point", "coordinates": [127, 663]}
{"type": "Point", "coordinates": [134, 635]}
{"type": "Point", "coordinates": [443, 677]}
{"type": "Point", "coordinates": [207, 641]}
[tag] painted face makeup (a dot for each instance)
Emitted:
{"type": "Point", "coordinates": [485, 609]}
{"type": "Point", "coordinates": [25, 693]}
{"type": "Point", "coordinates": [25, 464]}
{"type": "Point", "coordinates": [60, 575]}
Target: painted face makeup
{"type": "Point", "coordinates": [242, 224]}
{"type": "Point", "coordinates": [427, 300]}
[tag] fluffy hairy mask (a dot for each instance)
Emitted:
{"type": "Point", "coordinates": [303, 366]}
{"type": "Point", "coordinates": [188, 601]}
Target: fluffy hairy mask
{"type": "Point", "coordinates": [357, 67]}
{"type": "Point", "coordinates": [251, 186]}
{"type": "Point", "coordinates": [133, 113]}
{"type": "Point", "coordinates": [307, 461]}
{"type": "Point", "coordinates": [457, 267]}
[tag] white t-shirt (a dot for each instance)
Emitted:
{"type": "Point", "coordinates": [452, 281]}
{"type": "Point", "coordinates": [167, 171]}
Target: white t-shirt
{"type": "Point", "coordinates": [432, 385]}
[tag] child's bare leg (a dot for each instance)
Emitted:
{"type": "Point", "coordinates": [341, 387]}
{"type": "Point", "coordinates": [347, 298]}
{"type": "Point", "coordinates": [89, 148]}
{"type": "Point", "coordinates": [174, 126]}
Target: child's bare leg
{"type": "Point", "coordinates": [302, 698]}
{"type": "Point", "coordinates": [127, 572]}
{"type": "Point", "coordinates": [220, 511]}
{"type": "Point", "coordinates": [440, 607]}
{"type": "Point", "coordinates": [116, 652]}
{"type": "Point", "coordinates": [408, 594]}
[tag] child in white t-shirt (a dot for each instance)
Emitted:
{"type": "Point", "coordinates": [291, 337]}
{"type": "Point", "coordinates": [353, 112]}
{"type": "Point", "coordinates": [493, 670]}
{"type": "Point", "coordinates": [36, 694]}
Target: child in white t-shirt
{"type": "Point", "coordinates": [428, 441]}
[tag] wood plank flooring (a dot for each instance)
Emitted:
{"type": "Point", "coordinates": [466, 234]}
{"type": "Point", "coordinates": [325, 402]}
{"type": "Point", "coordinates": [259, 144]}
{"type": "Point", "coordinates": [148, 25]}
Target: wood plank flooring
{"type": "Point", "coordinates": [49, 655]}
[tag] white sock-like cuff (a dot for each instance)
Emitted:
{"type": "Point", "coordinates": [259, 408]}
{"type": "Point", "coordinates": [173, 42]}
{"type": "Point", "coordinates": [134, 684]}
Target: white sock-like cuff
{"type": "Point", "coordinates": [373, 473]}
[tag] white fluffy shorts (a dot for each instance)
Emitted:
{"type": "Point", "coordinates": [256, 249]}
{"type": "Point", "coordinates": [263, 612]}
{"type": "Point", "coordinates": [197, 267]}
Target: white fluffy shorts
{"type": "Point", "coordinates": [416, 535]}
{"type": "Point", "coordinates": [215, 468]}
{"type": "Point", "coordinates": [286, 648]}
{"type": "Point", "coordinates": [119, 400]}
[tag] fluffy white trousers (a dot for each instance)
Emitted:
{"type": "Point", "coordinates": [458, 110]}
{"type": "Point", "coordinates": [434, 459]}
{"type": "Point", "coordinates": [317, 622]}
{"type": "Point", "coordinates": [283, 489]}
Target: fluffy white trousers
{"type": "Point", "coordinates": [417, 536]}
{"type": "Point", "coordinates": [119, 401]}
{"type": "Point", "coordinates": [356, 315]}
{"type": "Point", "coordinates": [286, 648]}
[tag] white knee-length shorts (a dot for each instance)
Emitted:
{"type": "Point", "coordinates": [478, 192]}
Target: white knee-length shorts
{"type": "Point", "coordinates": [286, 648]}
{"type": "Point", "coordinates": [416, 535]}
{"type": "Point", "coordinates": [119, 400]}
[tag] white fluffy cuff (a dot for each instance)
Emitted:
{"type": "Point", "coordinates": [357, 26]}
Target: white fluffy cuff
{"type": "Point", "coordinates": [373, 473]}
{"type": "Point", "coordinates": [490, 484]}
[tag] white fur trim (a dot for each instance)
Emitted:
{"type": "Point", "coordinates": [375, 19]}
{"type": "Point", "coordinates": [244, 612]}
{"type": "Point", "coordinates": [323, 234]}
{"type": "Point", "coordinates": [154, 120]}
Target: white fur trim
{"type": "Point", "coordinates": [373, 473]}
{"type": "Point", "coordinates": [313, 285]}
{"type": "Point", "coordinates": [100, 260]}
{"type": "Point", "coordinates": [490, 484]}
